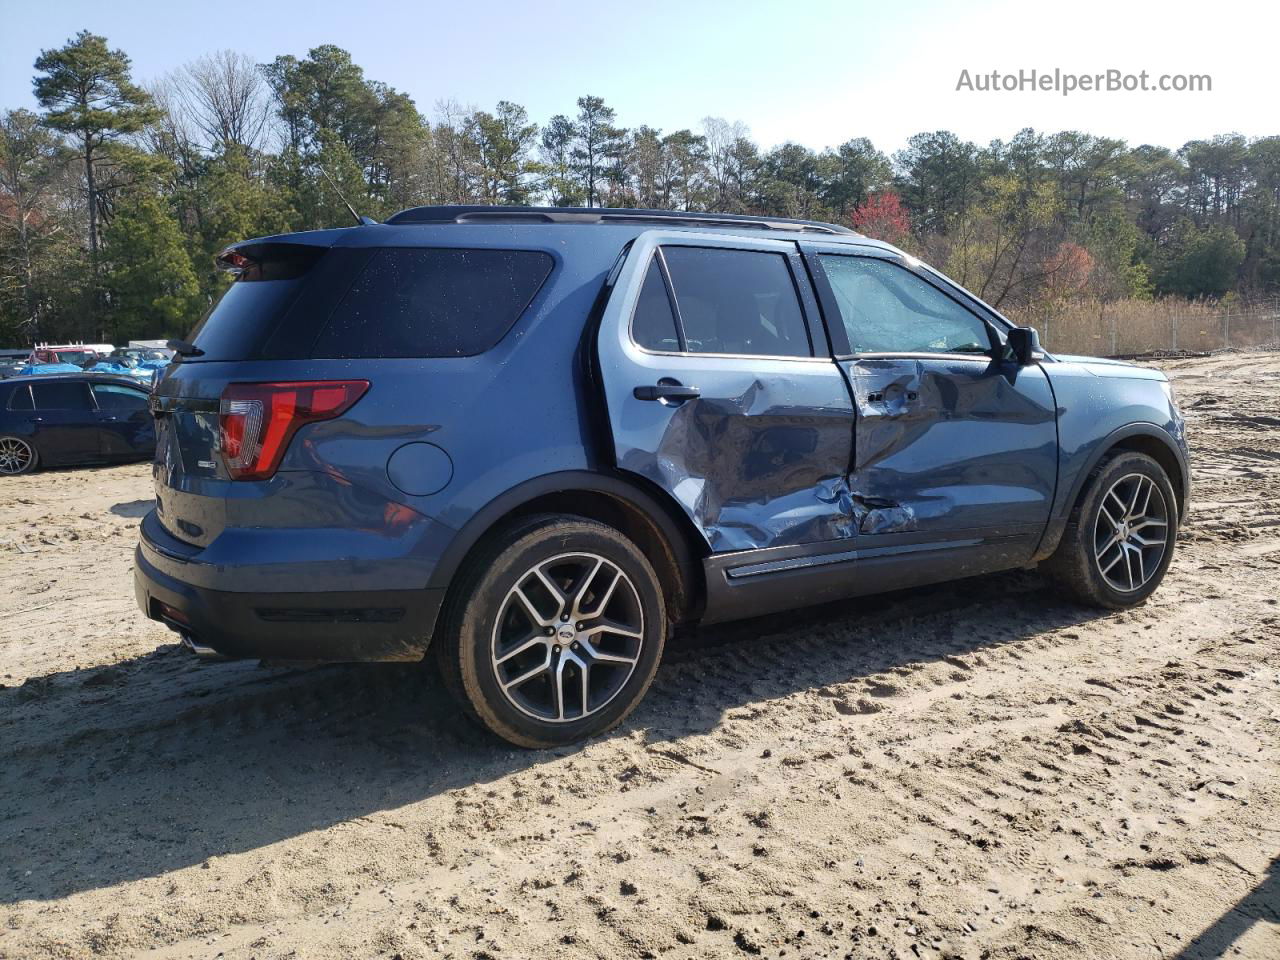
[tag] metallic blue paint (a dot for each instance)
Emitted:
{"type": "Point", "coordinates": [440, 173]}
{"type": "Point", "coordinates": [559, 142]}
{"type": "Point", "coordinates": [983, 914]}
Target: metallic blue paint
{"type": "Point", "coordinates": [950, 447]}
{"type": "Point", "coordinates": [761, 457]}
{"type": "Point", "coordinates": [899, 470]}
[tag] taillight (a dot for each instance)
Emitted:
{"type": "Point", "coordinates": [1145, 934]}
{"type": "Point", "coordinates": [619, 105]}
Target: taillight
{"type": "Point", "coordinates": [256, 421]}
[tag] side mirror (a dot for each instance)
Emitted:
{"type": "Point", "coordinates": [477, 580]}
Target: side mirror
{"type": "Point", "coordinates": [1025, 344]}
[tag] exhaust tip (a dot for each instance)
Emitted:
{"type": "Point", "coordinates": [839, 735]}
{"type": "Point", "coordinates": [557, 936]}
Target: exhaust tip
{"type": "Point", "coordinates": [199, 649]}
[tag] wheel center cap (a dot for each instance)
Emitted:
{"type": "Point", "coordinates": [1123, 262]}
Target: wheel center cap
{"type": "Point", "coordinates": [566, 633]}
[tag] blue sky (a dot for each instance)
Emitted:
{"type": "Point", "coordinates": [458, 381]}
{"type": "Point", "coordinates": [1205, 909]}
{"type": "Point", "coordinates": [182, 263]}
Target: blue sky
{"type": "Point", "coordinates": [816, 73]}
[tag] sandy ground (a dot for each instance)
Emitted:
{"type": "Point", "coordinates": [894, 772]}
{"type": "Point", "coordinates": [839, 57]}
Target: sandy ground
{"type": "Point", "coordinates": [976, 770]}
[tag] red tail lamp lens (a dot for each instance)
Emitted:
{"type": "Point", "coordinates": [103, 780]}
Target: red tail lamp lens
{"type": "Point", "coordinates": [257, 420]}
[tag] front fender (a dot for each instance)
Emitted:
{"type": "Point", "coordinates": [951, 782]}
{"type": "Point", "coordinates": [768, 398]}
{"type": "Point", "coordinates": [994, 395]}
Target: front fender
{"type": "Point", "coordinates": [1095, 415]}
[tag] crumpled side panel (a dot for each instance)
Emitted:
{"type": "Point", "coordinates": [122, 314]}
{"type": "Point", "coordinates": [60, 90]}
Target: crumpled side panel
{"type": "Point", "coordinates": [882, 516]}
{"type": "Point", "coordinates": [947, 445]}
{"type": "Point", "coordinates": [762, 468]}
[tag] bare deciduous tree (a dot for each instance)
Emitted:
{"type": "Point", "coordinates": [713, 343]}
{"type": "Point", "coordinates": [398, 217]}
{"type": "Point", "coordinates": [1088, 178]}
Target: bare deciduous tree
{"type": "Point", "coordinates": [226, 99]}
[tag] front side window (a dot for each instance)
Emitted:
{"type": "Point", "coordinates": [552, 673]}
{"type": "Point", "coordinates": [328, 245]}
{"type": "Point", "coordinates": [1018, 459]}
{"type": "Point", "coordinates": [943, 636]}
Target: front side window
{"type": "Point", "coordinates": [62, 395]}
{"type": "Point", "coordinates": [433, 302]}
{"type": "Point", "coordinates": [888, 309]}
{"type": "Point", "coordinates": [740, 302]}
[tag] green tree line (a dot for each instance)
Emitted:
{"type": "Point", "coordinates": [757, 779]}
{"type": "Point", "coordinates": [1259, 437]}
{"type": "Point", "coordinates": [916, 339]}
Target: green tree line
{"type": "Point", "coordinates": [116, 195]}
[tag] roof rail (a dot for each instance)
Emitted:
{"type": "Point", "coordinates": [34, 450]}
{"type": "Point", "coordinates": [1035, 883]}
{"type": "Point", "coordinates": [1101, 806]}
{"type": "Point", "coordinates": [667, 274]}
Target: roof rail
{"type": "Point", "coordinates": [475, 213]}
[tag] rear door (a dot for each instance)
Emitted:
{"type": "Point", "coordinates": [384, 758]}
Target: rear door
{"type": "Point", "coordinates": [125, 424]}
{"type": "Point", "coordinates": [66, 420]}
{"type": "Point", "coordinates": [721, 389]}
{"type": "Point", "coordinates": [955, 446]}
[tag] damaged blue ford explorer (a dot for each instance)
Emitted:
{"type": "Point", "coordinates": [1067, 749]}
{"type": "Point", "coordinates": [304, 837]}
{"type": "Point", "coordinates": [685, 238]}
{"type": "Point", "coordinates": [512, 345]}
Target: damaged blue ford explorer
{"type": "Point", "coordinates": [532, 440]}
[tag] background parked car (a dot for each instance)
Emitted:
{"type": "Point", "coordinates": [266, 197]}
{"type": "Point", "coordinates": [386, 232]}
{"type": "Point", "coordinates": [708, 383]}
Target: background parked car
{"type": "Point", "coordinates": [11, 361]}
{"type": "Point", "coordinates": [63, 419]}
{"type": "Point", "coordinates": [78, 354]}
{"type": "Point", "coordinates": [121, 365]}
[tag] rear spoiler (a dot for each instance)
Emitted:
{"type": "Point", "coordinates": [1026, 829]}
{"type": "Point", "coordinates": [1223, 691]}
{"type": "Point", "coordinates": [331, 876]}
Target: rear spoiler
{"type": "Point", "coordinates": [269, 259]}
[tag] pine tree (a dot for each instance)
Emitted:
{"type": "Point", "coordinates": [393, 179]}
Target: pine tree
{"type": "Point", "coordinates": [150, 286]}
{"type": "Point", "coordinates": [88, 93]}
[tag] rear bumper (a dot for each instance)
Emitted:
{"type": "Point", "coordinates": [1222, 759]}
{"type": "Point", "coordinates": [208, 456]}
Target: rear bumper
{"type": "Point", "coordinates": [330, 626]}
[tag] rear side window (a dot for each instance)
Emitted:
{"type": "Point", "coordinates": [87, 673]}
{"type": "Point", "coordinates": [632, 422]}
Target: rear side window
{"type": "Point", "coordinates": [114, 396]}
{"type": "Point", "coordinates": [737, 302]}
{"type": "Point", "coordinates": [653, 326]}
{"type": "Point", "coordinates": [62, 395]}
{"type": "Point", "coordinates": [20, 398]}
{"type": "Point", "coordinates": [433, 303]}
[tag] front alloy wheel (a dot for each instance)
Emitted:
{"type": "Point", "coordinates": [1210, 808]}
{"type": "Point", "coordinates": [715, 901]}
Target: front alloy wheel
{"type": "Point", "coordinates": [1120, 537]}
{"type": "Point", "coordinates": [1129, 534]}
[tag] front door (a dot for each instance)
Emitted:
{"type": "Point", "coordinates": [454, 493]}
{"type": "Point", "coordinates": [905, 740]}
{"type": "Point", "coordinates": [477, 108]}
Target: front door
{"type": "Point", "coordinates": [717, 393]}
{"type": "Point", "coordinates": [955, 446]}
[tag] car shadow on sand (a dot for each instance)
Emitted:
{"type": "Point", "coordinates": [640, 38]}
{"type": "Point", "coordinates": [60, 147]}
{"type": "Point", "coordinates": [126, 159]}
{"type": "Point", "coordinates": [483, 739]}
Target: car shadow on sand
{"type": "Point", "coordinates": [114, 774]}
{"type": "Point", "coordinates": [133, 509]}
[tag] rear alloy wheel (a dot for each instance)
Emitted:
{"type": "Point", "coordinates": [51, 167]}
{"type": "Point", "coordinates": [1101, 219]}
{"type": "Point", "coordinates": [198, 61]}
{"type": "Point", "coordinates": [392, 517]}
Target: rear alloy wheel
{"type": "Point", "coordinates": [567, 637]}
{"type": "Point", "coordinates": [16, 456]}
{"type": "Point", "coordinates": [1120, 538]}
{"type": "Point", "coordinates": [556, 632]}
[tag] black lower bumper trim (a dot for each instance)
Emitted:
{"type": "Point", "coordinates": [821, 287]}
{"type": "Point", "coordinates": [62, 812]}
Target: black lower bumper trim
{"type": "Point", "coordinates": [354, 626]}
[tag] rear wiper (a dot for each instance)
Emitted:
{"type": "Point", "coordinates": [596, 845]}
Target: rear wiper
{"type": "Point", "coordinates": [184, 349]}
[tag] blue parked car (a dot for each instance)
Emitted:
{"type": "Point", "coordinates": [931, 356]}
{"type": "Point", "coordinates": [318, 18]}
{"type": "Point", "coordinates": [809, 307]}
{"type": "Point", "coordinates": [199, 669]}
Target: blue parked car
{"type": "Point", "coordinates": [531, 440]}
{"type": "Point", "coordinates": [60, 419]}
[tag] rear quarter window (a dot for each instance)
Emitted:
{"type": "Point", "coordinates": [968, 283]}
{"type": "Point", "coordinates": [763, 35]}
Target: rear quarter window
{"type": "Point", "coordinates": [20, 398]}
{"type": "Point", "coordinates": [432, 302]}
{"type": "Point", "coordinates": [254, 304]}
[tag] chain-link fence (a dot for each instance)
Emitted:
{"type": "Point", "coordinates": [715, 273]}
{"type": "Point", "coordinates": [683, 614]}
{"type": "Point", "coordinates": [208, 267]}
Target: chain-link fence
{"type": "Point", "coordinates": [1129, 327]}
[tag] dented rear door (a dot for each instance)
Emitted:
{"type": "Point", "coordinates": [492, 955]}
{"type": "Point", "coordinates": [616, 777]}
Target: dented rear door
{"type": "Point", "coordinates": [730, 401]}
{"type": "Point", "coordinates": [954, 446]}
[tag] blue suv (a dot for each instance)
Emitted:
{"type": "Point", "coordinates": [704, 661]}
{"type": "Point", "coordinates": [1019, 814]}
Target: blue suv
{"type": "Point", "coordinates": [532, 440]}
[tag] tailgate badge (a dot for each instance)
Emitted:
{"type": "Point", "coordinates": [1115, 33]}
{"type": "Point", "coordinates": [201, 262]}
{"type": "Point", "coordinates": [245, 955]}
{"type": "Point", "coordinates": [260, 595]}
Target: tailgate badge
{"type": "Point", "coordinates": [207, 464]}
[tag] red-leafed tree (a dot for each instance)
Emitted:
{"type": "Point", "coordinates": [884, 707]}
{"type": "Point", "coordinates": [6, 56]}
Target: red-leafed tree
{"type": "Point", "coordinates": [1065, 273]}
{"type": "Point", "coordinates": [883, 217]}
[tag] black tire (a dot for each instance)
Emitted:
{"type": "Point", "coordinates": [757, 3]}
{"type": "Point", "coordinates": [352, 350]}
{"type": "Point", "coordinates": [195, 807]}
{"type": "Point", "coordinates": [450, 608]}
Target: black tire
{"type": "Point", "coordinates": [1075, 566]}
{"type": "Point", "coordinates": [33, 456]}
{"type": "Point", "coordinates": [471, 642]}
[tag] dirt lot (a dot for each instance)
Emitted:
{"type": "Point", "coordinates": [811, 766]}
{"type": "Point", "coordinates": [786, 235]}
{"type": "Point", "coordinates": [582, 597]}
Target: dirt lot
{"type": "Point", "coordinates": [975, 770]}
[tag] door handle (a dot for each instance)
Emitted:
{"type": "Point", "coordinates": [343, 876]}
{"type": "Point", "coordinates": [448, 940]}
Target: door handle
{"type": "Point", "coordinates": [667, 389]}
{"type": "Point", "coordinates": [35, 419]}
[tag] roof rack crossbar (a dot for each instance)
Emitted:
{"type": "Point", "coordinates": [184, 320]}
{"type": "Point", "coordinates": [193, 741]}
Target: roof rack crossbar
{"type": "Point", "coordinates": [595, 215]}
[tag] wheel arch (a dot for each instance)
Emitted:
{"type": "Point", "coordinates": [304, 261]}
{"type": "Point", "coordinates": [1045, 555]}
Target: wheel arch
{"type": "Point", "coordinates": [1146, 438]}
{"type": "Point", "coordinates": [663, 534]}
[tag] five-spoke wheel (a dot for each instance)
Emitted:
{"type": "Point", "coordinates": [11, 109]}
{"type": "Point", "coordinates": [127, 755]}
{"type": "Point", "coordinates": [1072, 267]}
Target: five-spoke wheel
{"type": "Point", "coordinates": [567, 637]}
{"type": "Point", "coordinates": [555, 630]}
{"type": "Point", "coordinates": [1119, 540]}
{"type": "Point", "coordinates": [1130, 532]}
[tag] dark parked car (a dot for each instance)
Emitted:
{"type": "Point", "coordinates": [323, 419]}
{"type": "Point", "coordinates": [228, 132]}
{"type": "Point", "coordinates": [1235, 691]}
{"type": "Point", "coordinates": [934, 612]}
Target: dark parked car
{"type": "Point", "coordinates": [70, 418]}
{"type": "Point", "coordinates": [534, 439]}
